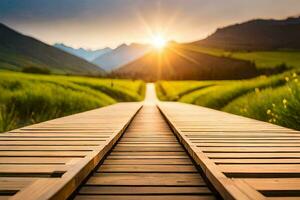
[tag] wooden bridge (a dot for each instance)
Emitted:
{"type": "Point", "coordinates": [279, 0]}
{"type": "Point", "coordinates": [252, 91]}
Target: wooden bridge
{"type": "Point", "coordinates": [150, 150]}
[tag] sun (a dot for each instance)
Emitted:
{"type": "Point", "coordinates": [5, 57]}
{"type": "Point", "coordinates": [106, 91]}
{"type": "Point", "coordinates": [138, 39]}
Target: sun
{"type": "Point", "coordinates": [158, 42]}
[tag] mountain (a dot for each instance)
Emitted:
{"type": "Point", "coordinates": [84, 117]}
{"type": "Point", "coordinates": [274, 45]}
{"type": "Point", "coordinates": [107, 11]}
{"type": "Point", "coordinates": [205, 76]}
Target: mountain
{"type": "Point", "coordinates": [257, 34]}
{"type": "Point", "coordinates": [179, 63]}
{"type": "Point", "coordinates": [18, 51]}
{"type": "Point", "coordinates": [121, 56]}
{"type": "Point", "coordinates": [88, 55]}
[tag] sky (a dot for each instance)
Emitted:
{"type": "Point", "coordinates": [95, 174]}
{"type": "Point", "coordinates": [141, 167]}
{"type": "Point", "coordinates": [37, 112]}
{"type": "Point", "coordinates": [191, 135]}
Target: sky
{"type": "Point", "coordinates": [100, 23]}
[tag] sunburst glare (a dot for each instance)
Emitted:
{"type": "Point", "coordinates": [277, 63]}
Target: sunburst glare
{"type": "Point", "coordinates": [158, 42]}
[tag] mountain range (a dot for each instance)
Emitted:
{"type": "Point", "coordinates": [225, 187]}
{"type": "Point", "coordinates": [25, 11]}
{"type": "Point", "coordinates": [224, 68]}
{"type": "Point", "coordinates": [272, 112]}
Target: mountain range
{"type": "Point", "coordinates": [107, 58]}
{"type": "Point", "coordinates": [120, 56]}
{"type": "Point", "coordinates": [18, 51]}
{"type": "Point", "coordinates": [140, 61]}
{"type": "Point", "coordinates": [259, 34]}
{"type": "Point", "coordinates": [86, 54]}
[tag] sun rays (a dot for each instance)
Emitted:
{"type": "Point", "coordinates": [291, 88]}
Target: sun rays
{"type": "Point", "coordinates": [158, 42]}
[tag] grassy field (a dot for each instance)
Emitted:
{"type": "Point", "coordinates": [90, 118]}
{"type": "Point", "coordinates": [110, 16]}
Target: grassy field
{"type": "Point", "coordinates": [274, 99]}
{"type": "Point", "coordinates": [262, 59]}
{"type": "Point", "coordinates": [27, 98]}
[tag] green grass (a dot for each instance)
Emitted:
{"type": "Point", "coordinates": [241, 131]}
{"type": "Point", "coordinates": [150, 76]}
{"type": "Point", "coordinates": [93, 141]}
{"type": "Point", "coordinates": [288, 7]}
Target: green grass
{"type": "Point", "coordinates": [262, 59]}
{"type": "Point", "coordinates": [279, 105]}
{"type": "Point", "coordinates": [274, 99]}
{"type": "Point", "coordinates": [27, 98]}
{"type": "Point", "coordinates": [174, 90]}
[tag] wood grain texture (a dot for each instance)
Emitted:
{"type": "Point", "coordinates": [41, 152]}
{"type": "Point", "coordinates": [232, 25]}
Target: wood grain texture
{"type": "Point", "coordinates": [243, 158]}
{"type": "Point", "coordinates": [137, 169]}
{"type": "Point", "coordinates": [49, 160]}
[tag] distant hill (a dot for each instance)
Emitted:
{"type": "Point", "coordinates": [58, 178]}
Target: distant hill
{"type": "Point", "coordinates": [177, 63]}
{"type": "Point", "coordinates": [257, 34]}
{"type": "Point", "coordinates": [88, 55]}
{"type": "Point", "coordinates": [121, 56]}
{"type": "Point", "coordinates": [18, 51]}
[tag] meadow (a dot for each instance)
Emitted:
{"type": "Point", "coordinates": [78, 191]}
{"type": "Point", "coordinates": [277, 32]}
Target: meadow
{"type": "Point", "coordinates": [274, 99]}
{"type": "Point", "coordinates": [27, 98]}
{"type": "Point", "coordinates": [263, 60]}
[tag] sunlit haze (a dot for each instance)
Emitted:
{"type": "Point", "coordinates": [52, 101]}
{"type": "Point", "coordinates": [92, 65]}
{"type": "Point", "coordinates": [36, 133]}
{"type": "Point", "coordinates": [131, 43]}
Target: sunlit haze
{"type": "Point", "coordinates": [158, 42]}
{"type": "Point", "coordinates": [101, 23]}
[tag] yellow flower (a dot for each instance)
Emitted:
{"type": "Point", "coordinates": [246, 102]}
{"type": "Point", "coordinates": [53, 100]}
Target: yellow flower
{"type": "Point", "coordinates": [256, 90]}
{"type": "Point", "coordinates": [273, 104]}
{"type": "Point", "coordinates": [284, 101]}
{"type": "Point", "coordinates": [269, 111]}
{"type": "Point", "coordinates": [296, 80]}
{"type": "Point", "coordinates": [287, 79]}
{"type": "Point", "coordinates": [294, 74]}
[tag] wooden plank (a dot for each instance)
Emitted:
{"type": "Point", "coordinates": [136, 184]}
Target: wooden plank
{"type": "Point", "coordinates": [147, 149]}
{"type": "Point", "coordinates": [94, 190]}
{"type": "Point", "coordinates": [35, 160]}
{"type": "Point", "coordinates": [14, 183]}
{"type": "Point", "coordinates": [147, 168]}
{"type": "Point", "coordinates": [183, 161]}
{"type": "Point", "coordinates": [147, 153]}
{"type": "Point", "coordinates": [256, 161]}
{"type": "Point", "coordinates": [48, 148]}
{"type": "Point", "coordinates": [261, 168]}
{"type": "Point", "coordinates": [253, 155]}
{"type": "Point", "coordinates": [159, 179]}
{"type": "Point", "coordinates": [146, 157]}
{"type": "Point", "coordinates": [280, 184]}
{"type": "Point", "coordinates": [144, 197]}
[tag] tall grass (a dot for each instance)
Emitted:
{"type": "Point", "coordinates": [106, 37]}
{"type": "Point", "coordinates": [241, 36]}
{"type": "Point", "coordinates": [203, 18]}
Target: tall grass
{"type": "Point", "coordinates": [27, 99]}
{"type": "Point", "coordinates": [280, 105]}
{"type": "Point", "coordinates": [274, 99]}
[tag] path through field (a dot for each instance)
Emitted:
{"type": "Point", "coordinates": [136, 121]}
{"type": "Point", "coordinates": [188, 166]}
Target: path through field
{"type": "Point", "coordinates": [147, 163]}
{"type": "Point", "coordinates": [150, 150]}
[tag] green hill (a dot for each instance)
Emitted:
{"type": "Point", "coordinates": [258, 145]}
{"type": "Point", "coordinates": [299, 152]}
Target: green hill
{"type": "Point", "coordinates": [260, 34]}
{"type": "Point", "coordinates": [19, 51]}
{"type": "Point", "coordinates": [176, 62]}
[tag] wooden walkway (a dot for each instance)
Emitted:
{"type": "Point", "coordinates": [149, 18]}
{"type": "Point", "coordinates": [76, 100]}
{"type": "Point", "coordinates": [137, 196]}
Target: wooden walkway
{"type": "Point", "coordinates": [147, 163]}
{"type": "Point", "coordinates": [93, 156]}
{"type": "Point", "coordinates": [49, 160]}
{"type": "Point", "coordinates": [242, 158]}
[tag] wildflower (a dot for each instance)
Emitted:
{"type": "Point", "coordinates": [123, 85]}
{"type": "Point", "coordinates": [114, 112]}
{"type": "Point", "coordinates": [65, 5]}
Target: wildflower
{"type": "Point", "coordinates": [296, 80]}
{"type": "Point", "coordinates": [287, 79]}
{"type": "Point", "coordinates": [273, 105]}
{"type": "Point", "coordinates": [284, 101]}
{"type": "Point", "coordinates": [294, 75]}
{"type": "Point", "coordinates": [269, 111]}
{"type": "Point", "coordinates": [257, 90]}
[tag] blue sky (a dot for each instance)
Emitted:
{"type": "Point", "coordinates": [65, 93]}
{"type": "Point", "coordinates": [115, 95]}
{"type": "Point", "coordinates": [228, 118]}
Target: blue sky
{"type": "Point", "coordinates": [100, 23]}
